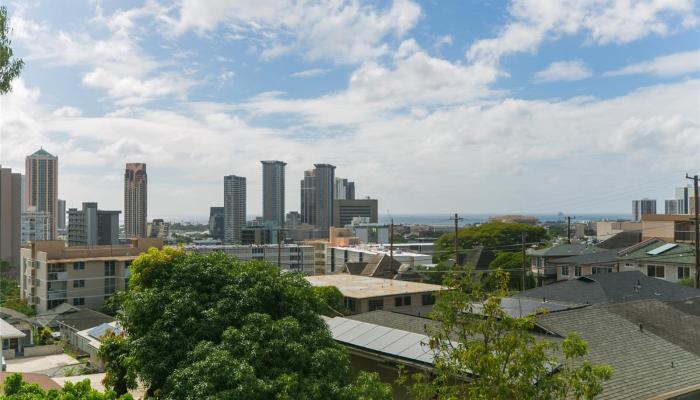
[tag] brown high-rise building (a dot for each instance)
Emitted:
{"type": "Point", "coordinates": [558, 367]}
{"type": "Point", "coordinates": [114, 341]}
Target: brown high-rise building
{"type": "Point", "coordinates": [10, 207]}
{"type": "Point", "coordinates": [41, 185]}
{"type": "Point", "coordinates": [135, 200]}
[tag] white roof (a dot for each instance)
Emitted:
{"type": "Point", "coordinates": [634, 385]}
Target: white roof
{"type": "Point", "coordinates": [8, 331]}
{"type": "Point", "coordinates": [361, 287]}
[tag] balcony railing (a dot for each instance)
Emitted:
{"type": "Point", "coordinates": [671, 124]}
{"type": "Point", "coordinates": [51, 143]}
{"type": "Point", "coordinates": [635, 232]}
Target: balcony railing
{"type": "Point", "coordinates": [57, 276]}
{"type": "Point", "coordinates": [58, 294]}
{"type": "Point", "coordinates": [685, 236]}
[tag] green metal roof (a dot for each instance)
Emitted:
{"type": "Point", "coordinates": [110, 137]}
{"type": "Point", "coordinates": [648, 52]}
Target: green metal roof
{"type": "Point", "coordinates": [42, 153]}
{"type": "Point", "coordinates": [680, 254]}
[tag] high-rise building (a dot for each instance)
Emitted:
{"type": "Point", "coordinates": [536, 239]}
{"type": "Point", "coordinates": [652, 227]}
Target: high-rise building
{"type": "Point", "coordinates": [308, 197]}
{"type": "Point", "coordinates": [293, 218]}
{"type": "Point", "coordinates": [92, 227]}
{"type": "Point", "coordinates": [41, 184]}
{"type": "Point", "coordinates": [10, 217]}
{"type": "Point", "coordinates": [158, 228]}
{"type": "Point", "coordinates": [344, 189]}
{"type": "Point", "coordinates": [61, 215]}
{"type": "Point", "coordinates": [641, 207]}
{"type": "Point", "coordinates": [325, 181]}
{"type": "Point", "coordinates": [273, 193]}
{"type": "Point", "coordinates": [234, 208]}
{"type": "Point", "coordinates": [684, 193]}
{"type": "Point", "coordinates": [36, 225]}
{"type": "Point", "coordinates": [216, 223]}
{"type": "Point", "coordinates": [23, 192]}
{"type": "Point", "coordinates": [346, 210]}
{"type": "Point", "coordinates": [135, 200]}
{"type": "Point", "coordinates": [674, 207]}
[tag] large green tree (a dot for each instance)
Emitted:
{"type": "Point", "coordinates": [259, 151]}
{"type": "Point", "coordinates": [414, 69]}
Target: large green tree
{"type": "Point", "coordinates": [114, 352]}
{"type": "Point", "coordinates": [210, 326]}
{"type": "Point", "coordinates": [10, 67]}
{"type": "Point", "coordinates": [494, 235]}
{"type": "Point", "coordinates": [484, 353]}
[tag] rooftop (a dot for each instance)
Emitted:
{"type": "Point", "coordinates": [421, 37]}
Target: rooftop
{"type": "Point", "coordinates": [81, 319]}
{"type": "Point", "coordinates": [382, 249]}
{"type": "Point", "coordinates": [660, 251]}
{"type": "Point", "coordinates": [617, 287]}
{"type": "Point", "coordinates": [362, 287]}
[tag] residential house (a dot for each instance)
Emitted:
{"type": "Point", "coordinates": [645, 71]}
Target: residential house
{"type": "Point", "coordinates": [11, 338]}
{"type": "Point", "coordinates": [659, 259]}
{"type": "Point", "coordinates": [75, 326]}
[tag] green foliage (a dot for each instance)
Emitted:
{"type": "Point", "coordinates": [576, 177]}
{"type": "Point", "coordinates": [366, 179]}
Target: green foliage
{"type": "Point", "coordinates": [210, 326]}
{"type": "Point", "coordinates": [332, 300]}
{"type": "Point", "coordinates": [491, 355]}
{"type": "Point", "coordinates": [16, 389]}
{"type": "Point", "coordinates": [10, 67]}
{"type": "Point", "coordinates": [113, 304]}
{"type": "Point", "coordinates": [10, 293]}
{"type": "Point", "coordinates": [685, 282]}
{"type": "Point", "coordinates": [513, 263]}
{"type": "Point", "coordinates": [114, 352]}
{"type": "Point", "coordinates": [492, 235]}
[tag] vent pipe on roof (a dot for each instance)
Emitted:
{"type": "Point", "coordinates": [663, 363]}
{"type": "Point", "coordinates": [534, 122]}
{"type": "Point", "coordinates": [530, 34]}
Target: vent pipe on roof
{"type": "Point", "coordinates": [641, 328]}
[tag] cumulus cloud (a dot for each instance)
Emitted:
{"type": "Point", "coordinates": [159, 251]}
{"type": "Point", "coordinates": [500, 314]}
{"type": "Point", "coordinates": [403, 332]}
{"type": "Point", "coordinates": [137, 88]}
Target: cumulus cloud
{"type": "Point", "coordinates": [669, 65]}
{"type": "Point", "coordinates": [563, 71]}
{"type": "Point", "coordinates": [67, 111]}
{"type": "Point", "coordinates": [309, 73]}
{"type": "Point", "coordinates": [340, 31]}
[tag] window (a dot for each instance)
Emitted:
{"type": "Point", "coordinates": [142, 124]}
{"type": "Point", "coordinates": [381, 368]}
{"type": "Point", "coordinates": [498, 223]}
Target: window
{"type": "Point", "coordinates": [407, 300]}
{"type": "Point", "coordinates": [110, 286]}
{"type": "Point", "coordinates": [55, 303]}
{"type": "Point", "coordinates": [60, 267]}
{"type": "Point", "coordinates": [601, 270]}
{"type": "Point", "coordinates": [110, 268]}
{"type": "Point", "coordinates": [565, 271]}
{"type": "Point", "coordinates": [376, 304]}
{"type": "Point", "coordinates": [79, 265]}
{"type": "Point", "coordinates": [351, 304]}
{"type": "Point", "coordinates": [398, 301]}
{"type": "Point", "coordinates": [79, 283]}
{"type": "Point", "coordinates": [655, 271]}
{"type": "Point", "coordinates": [683, 272]}
{"type": "Point", "coordinates": [79, 301]}
{"type": "Point", "coordinates": [428, 299]}
{"type": "Point", "coordinates": [577, 270]}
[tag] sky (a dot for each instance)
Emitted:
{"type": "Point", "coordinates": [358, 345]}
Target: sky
{"type": "Point", "coordinates": [469, 106]}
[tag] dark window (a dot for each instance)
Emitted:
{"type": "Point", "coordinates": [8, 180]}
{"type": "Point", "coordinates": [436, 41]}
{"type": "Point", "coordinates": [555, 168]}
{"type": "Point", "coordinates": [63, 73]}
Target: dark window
{"type": "Point", "coordinates": [351, 304]}
{"type": "Point", "coordinates": [110, 268]}
{"type": "Point", "coordinates": [60, 267]}
{"type": "Point", "coordinates": [601, 270]}
{"type": "Point", "coordinates": [655, 271]}
{"type": "Point", "coordinates": [110, 286]}
{"type": "Point", "coordinates": [577, 270]}
{"type": "Point", "coordinates": [565, 271]}
{"type": "Point", "coordinates": [428, 299]}
{"type": "Point", "coordinates": [79, 265]}
{"type": "Point", "coordinates": [55, 303]}
{"type": "Point", "coordinates": [683, 272]}
{"type": "Point", "coordinates": [407, 300]}
{"type": "Point", "coordinates": [79, 301]}
{"type": "Point", "coordinates": [376, 304]}
{"type": "Point", "coordinates": [398, 301]}
{"type": "Point", "coordinates": [78, 283]}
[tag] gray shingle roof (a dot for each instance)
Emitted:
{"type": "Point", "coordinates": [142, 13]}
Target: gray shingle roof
{"type": "Point", "coordinates": [599, 256]}
{"type": "Point", "coordinates": [641, 359]}
{"type": "Point", "coordinates": [621, 240]}
{"type": "Point", "coordinates": [84, 319]}
{"type": "Point", "coordinates": [616, 287]}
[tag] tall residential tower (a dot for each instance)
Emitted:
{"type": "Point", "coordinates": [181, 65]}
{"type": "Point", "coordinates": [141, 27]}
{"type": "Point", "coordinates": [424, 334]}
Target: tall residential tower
{"type": "Point", "coordinates": [10, 214]}
{"type": "Point", "coordinates": [135, 200]}
{"type": "Point", "coordinates": [273, 193]}
{"type": "Point", "coordinates": [41, 185]}
{"type": "Point", "coordinates": [234, 208]}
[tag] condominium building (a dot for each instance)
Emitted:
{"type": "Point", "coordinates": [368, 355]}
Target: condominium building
{"type": "Point", "coordinates": [346, 210]}
{"type": "Point", "coordinates": [90, 226]}
{"type": "Point", "coordinates": [674, 207]}
{"type": "Point", "coordinates": [325, 181]}
{"type": "Point", "coordinates": [41, 184]}
{"type": "Point", "coordinates": [216, 223]}
{"type": "Point", "coordinates": [61, 215]}
{"type": "Point", "coordinates": [273, 193]}
{"type": "Point", "coordinates": [684, 193]}
{"type": "Point", "coordinates": [291, 257]}
{"type": "Point", "coordinates": [158, 229]}
{"type": "Point", "coordinates": [234, 208]}
{"type": "Point", "coordinates": [293, 218]}
{"type": "Point", "coordinates": [641, 207]}
{"type": "Point", "coordinates": [36, 225]}
{"type": "Point", "coordinates": [308, 198]}
{"type": "Point", "coordinates": [52, 274]}
{"type": "Point", "coordinates": [344, 189]}
{"type": "Point", "coordinates": [10, 216]}
{"type": "Point", "coordinates": [135, 200]}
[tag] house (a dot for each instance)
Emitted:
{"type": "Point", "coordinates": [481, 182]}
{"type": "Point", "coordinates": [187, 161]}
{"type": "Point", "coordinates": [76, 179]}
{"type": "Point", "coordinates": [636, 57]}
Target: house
{"type": "Point", "coordinates": [598, 261]}
{"type": "Point", "coordinates": [365, 293]}
{"type": "Point", "coordinates": [89, 340]}
{"type": "Point", "coordinates": [659, 259]}
{"type": "Point", "coordinates": [21, 322]}
{"type": "Point", "coordinates": [74, 325]}
{"type": "Point", "coordinates": [541, 259]}
{"type": "Point", "coordinates": [619, 287]}
{"type": "Point", "coordinates": [11, 342]}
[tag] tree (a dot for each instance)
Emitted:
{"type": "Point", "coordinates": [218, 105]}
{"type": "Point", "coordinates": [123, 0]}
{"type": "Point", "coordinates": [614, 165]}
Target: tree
{"type": "Point", "coordinates": [114, 352]}
{"type": "Point", "coordinates": [332, 300]}
{"type": "Point", "coordinates": [492, 235]}
{"type": "Point", "coordinates": [16, 389]}
{"type": "Point", "coordinates": [513, 263]}
{"type": "Point", "coordinates": [113, 304]}
{"type": "Point", "coordinates": [10, 67]}
{"type": "Point", "coordinates": [210, 326]}
{"type": "Point", "coordinates": [9, 291]}
{"type": "Point", "coordinates": [490, 355]}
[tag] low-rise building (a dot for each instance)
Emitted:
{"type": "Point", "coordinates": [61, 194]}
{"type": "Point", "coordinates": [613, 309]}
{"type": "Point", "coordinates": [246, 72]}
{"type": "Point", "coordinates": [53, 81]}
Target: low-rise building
{"type": "Point", "coordinates": [52, 273]}
{"type": "Point", "coordinates": [83, 329]}
{"type": "Point", "coordinates": [291, 257]}
{"type": "Point", "coordinates": [658, 259]}
{"type": "Point", "coordinates": [158, 229]}
{"type": "Point", "coordinates": [364, 293]}
{"type": "Point", "coordinates": [606, 229]}
{"type": "Point", "coordinates": [337, 256]}
{"type": "Point", "coordinates": [671, 228]}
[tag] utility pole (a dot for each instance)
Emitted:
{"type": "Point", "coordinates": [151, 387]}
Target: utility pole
{"type": "Point", "coordinates": [696, 281]}
{"type": "Point", "coordinates": [456, 220]}
{"type": "Point", "coordinates": [523, 235]}
{"type": "Point", "coordinates": [279, 247]}
{"type": "Point", "coordinates": [568, 229]}
{"type": "Point", "coordinates": [391, 243]}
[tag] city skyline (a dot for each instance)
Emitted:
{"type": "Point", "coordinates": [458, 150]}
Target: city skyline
{"type": "Point", "coordinates": [419, 103]}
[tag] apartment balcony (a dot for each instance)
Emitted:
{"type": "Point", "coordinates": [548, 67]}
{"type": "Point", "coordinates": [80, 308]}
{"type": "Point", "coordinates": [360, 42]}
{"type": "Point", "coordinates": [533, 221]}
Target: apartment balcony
{"type": "Point", "coordinates": [57, 276]}
{"type": "Point", "coordinates": [58, 294]}
{"type": "Point", "coordinates": [33, 300]}
{"type": "Point", "coordinates": [684, 236]}
{"type": "Point", "coordinates": [31, 264]}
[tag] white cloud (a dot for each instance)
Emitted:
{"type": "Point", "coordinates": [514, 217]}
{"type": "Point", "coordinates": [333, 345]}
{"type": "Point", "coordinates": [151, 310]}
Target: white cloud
{"type": "Point", "coordinates": [340, 31]}
{"type": "Point", "coordinates": [563, 71]}
{"type": "Point", "coordinates": [67, 111]}
{"type": "Point", "coordinates": [603, 21]}
{"type": "Point", "coordinates": [130, 90]}
{"type": "Point", "coordinates": [309, 73]}
{"type": "Point", "coordinates": [670, 65]}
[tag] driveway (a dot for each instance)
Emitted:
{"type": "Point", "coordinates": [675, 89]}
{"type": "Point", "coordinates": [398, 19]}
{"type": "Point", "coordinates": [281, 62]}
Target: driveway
{"type": "Point", "coordinates": [41, 363]}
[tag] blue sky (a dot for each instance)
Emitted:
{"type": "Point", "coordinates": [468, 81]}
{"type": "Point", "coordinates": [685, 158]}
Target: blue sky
{"type": "Point", "coordinates": [433, 106]}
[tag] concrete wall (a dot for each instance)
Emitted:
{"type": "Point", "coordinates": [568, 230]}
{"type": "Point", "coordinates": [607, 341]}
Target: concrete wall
{"type": "Point", "coordinates": [416, 307]}
{"type": "Point", "coordinates": [660, 229]}
{"type": "Point", "coordinates": [35, 351]}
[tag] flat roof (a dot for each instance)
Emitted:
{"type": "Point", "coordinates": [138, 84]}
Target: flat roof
{"type": "Point", "coordinates": [76, 259]}
{"type": "Point", "coordinates": [363, 287]}
{"type": "Point", "coordinates": [667, 217]}
{"type": "Point", "coordinates": [382, 250]}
